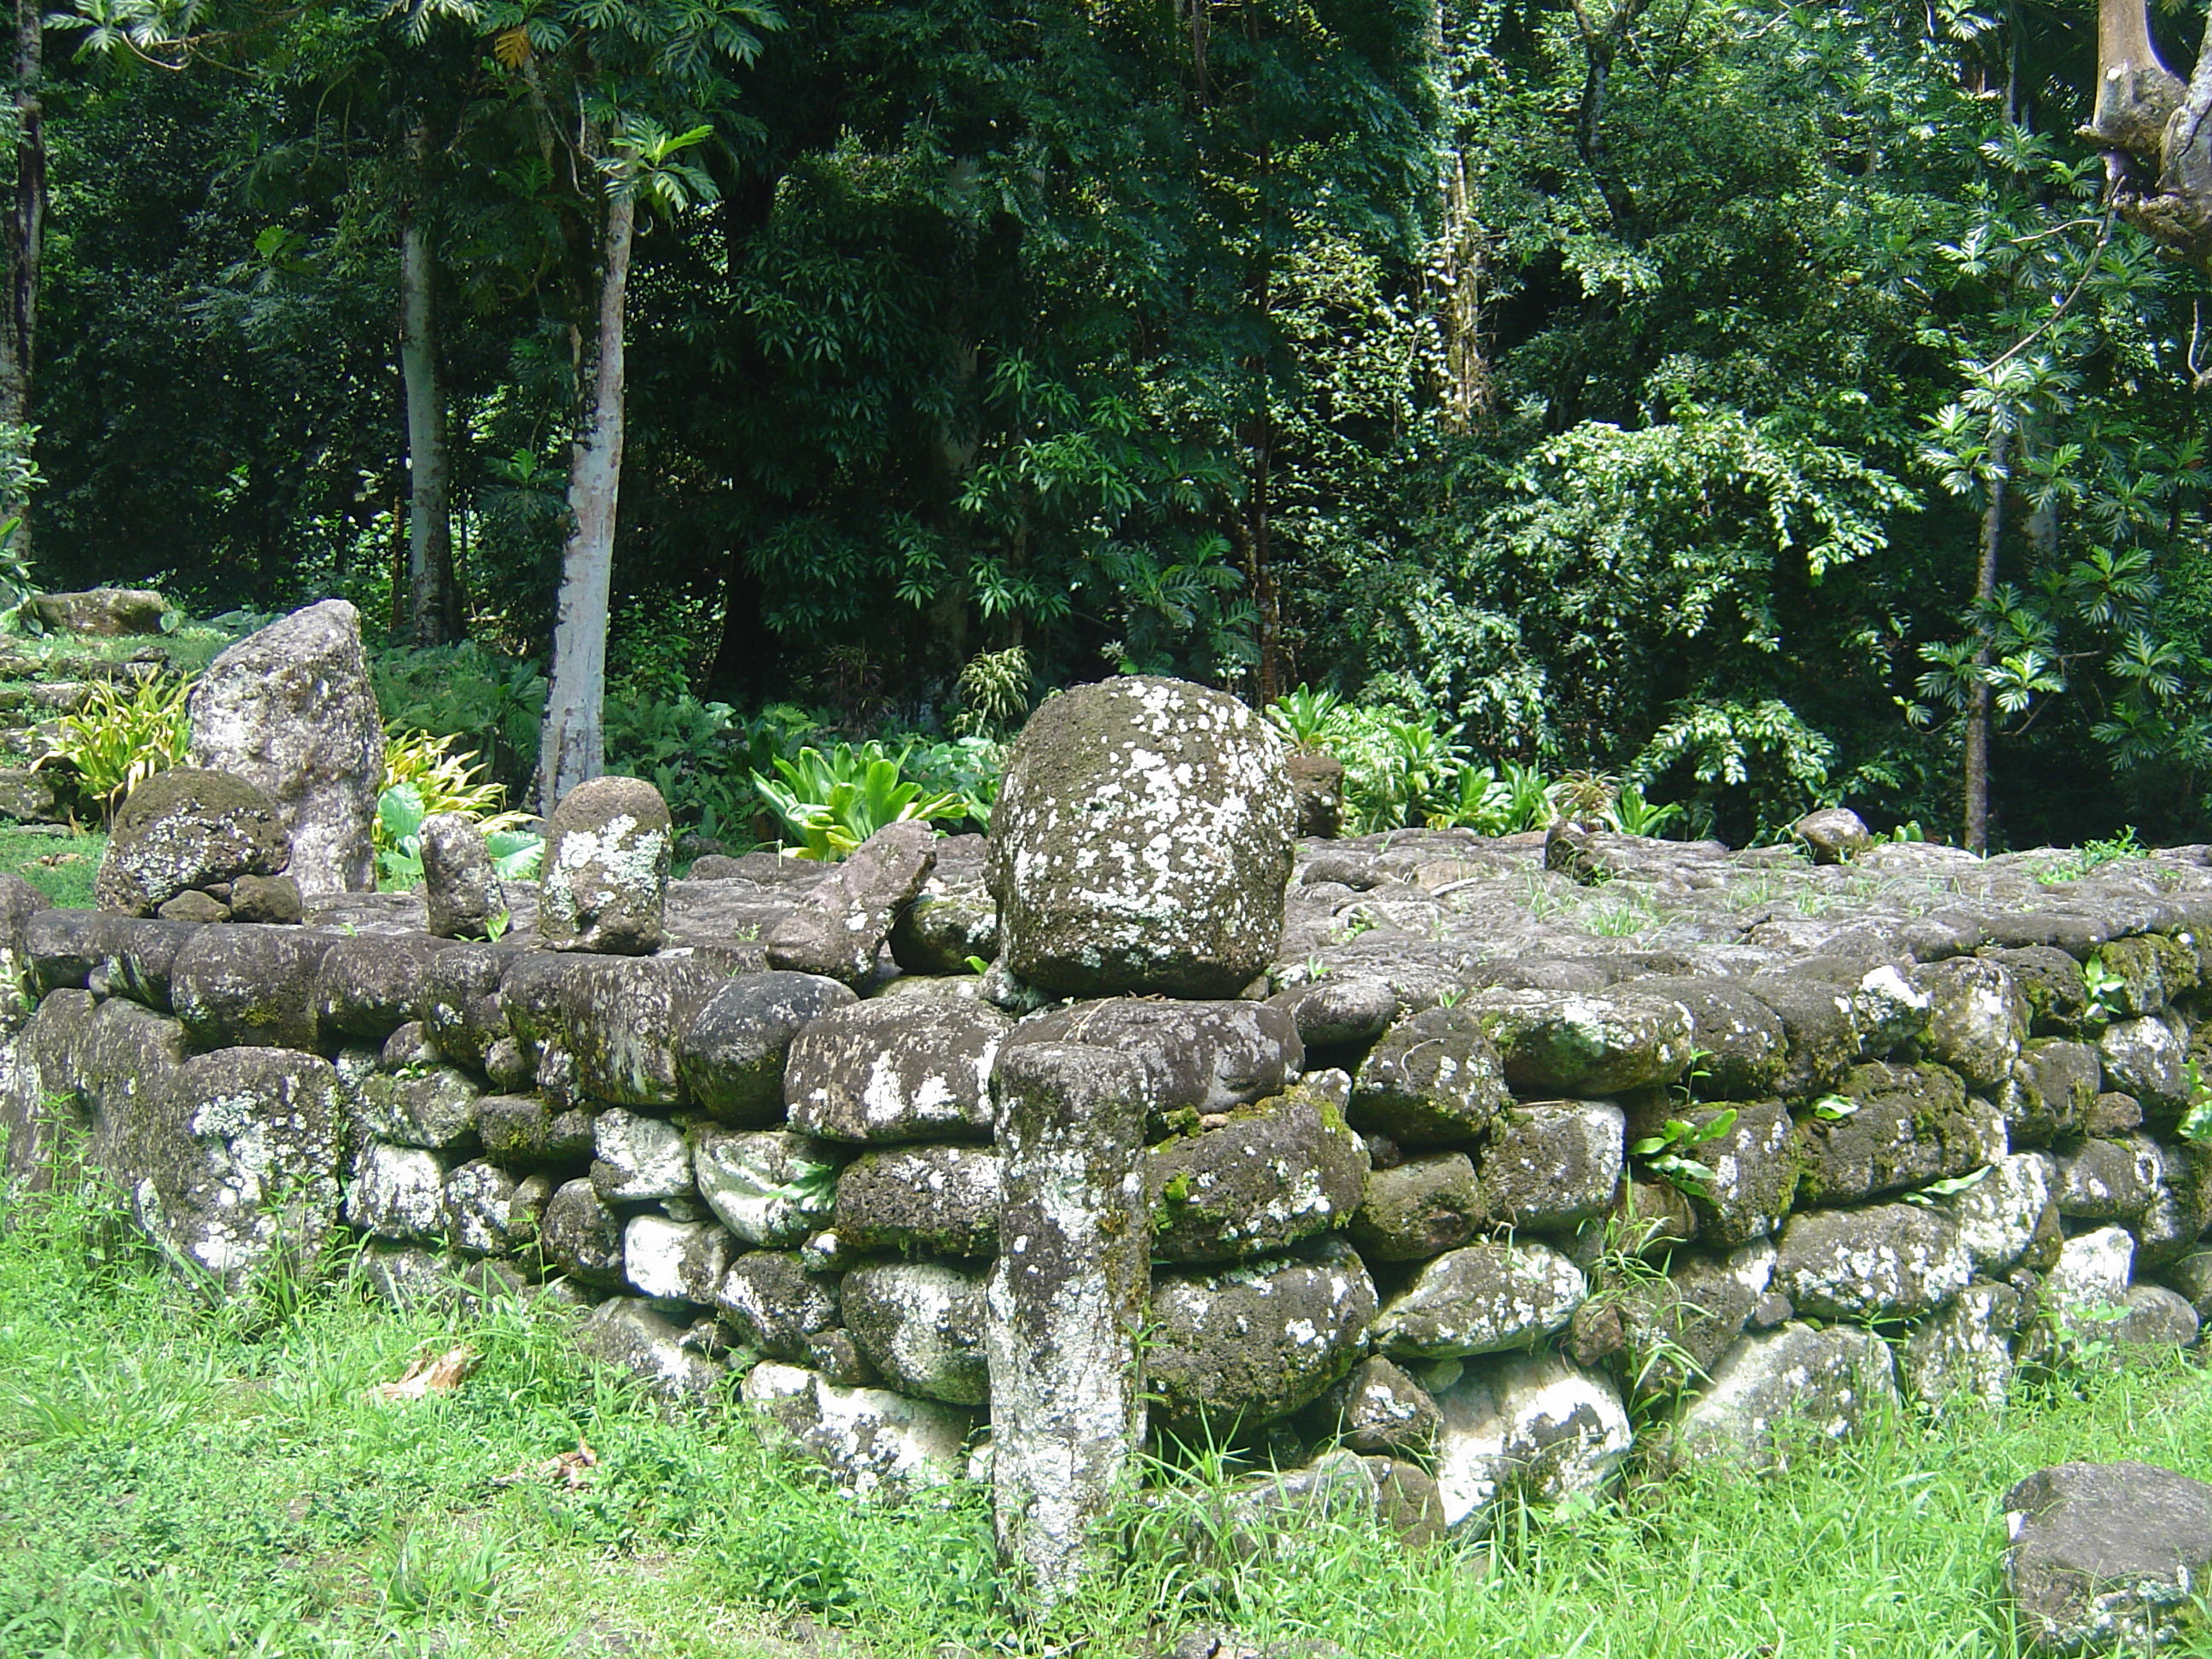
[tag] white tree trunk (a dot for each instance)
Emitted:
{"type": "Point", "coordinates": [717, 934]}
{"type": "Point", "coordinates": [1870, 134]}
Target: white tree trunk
{"type": "Point", "coordinates": [432, 613]}
{"type": "Point", "coordinates": [573, 746]}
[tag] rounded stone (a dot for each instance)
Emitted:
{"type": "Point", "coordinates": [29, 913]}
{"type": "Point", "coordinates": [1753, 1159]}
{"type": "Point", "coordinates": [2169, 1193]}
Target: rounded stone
{"type": "Point", "coordinates": [183, 828]}
{"type": "Point", "coordinates": [1141, 841]}
{"type": "Point", "coordinates": [605, 872]}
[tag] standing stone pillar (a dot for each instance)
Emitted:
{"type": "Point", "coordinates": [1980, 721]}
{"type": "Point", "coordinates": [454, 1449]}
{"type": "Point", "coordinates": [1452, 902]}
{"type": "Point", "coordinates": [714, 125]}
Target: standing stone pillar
{"type": "Point", "coordinates": [1065, 1300]}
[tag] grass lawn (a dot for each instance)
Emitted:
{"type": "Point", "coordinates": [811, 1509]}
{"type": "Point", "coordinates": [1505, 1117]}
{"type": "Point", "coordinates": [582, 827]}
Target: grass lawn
{"type": "Point", "coordinates": [176, 1482]}
{"type": "Point", "coordinates": [60, 866]}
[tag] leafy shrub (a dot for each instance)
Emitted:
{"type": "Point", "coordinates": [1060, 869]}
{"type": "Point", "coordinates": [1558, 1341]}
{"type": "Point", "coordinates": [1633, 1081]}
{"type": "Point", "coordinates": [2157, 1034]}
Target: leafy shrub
{"type": "Point", "coordinates": [832, 803]}
{"type": "Point", "coordinates": [422, 776]}
{"type": "Point", "coordinates": [491, 704]}
{"type": "Point", "coordinates": [992, 694]}
{"type": "Point", "coordinates": [120, 737]}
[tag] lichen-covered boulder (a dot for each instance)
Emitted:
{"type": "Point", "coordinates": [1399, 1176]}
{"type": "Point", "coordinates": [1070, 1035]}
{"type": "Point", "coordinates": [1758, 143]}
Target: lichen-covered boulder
{"type": "Point", "coordinates": [940, 1200]}
{"type": "Point", "coordinates": [896, 1068]}
{"type": "Point", "coordinates": [1277, 1172]}
{"type": "Point", "coordinates": [602, 884]}
{"type": "Point", "coordinates": [1826, 1381]}
{"type": "Point", "coordinates": [2086, 1287]}
{"type": "Point", "coordinates": [670, 1261]}
{"type": "Point", "coordinates": [1256, 1342]}
{"type": "Point", "coordinates": [2006, 1219]}
{"type": "Point", "coordinates": [250, 987]}
{"type": "Point", "coordinates": [1819, 1022]}
{"type": "Point", "coordinates": [460, 895]}
{"type": "Point", "coordinates": [2152, 970]}
{"type": "Point", "coordinates": [1141, 840]}
{"type": "Point", "coordinates": [1419, 1208]}
{"type": "Point", "coordinates": [1834, 835]}
{"type": "Point", "coordinates": [433, 1107]}
{"type": "Point", "coordinates": [1595, 1044]}
{"type": "Point", "coordinates": [101, 612]}
{"type": "Point", "coordinates": [2157, 1320]}
{"type": "Point", "coordinates": [291, 709]}
{"type": "Point", "coordinates": [398, 1192]}
{"type": "Point", "coordinates": [1963, 1351]}
{"type": "Point", "coordinates": [1482, 1298]}
{"type": "Point", "coordinates": [1433, 1077]}
{"type": "Point", "coordinates": [1755, 1163]}
{"type": "Point", "coordinates": [2146, 1059]}
{"type": "Point", "coordinates": [1885, 1261]}
{"type": "Point", "coordinates": [630, 1336]}
{"type": "Point", "coordinates": [235, 1163]}
{"type": "Point", "coordinates": [606, 1028]}
{"type": "Point", "coordinates": [1904, 1125]}
{"type": "Point", "coordinates": [460, 1006]}
{"type": "Point", "coordinates": [522, 1129]}
{"type": "Point", "coordinates": [636, 1158]}
{"type": "Point", "coordinates": [2108, 1179]}
{"type": "Point", "coordinates": [1743, 1045]}
{"type": "Point", "coordinates": [1978, 1018]}
{"type": "Point", "coordinates": [1333, 1012]}
{"type": "Point", "coordinates": [775, 1304]}
{"type": "Point", "coordinates": [367, 987]}
{"type": "Point", "coordinates": [1195, 1057]}
{"type": "Point", "coordinates": [1552, 1164]}
{"type": "Point", "coordinates": [876, 1443]}
{"type": "Point", "coordinates": [840, 923]}
{"type": "Point", "coordinates": [770, 1187]}
{"type": "Point", "coordinates": [946, 930]}
{"type": "Point", "coordinates": [582, 1236]}
{"type": "Point", "coordinates": [1539, 1428]}
{"type": "Point", "coordinates": [490, 1213]}
{"type": "Point", "coordinates": [1378, 1409]}
{"type": "Point", "coordinates": [2051, 1091]}
{"type": "Point", "coordinates": [2106, 1555]}
{"type": "Point", "coordinates": [731, 1054]}
{"type": "Point", "coordinates": [922, 1323]}
{"type": "Point", "coordinates": [185, 829]}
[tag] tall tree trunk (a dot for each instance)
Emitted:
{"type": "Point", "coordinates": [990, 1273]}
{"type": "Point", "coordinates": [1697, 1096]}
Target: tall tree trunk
{"type": "Point", "coordinates": [27, 228]}
{"type": "Point", "coordinates": [1467, 392]}
{"type": "Point", "coordinates": [1975, 835]}
{"type": "Point", "coordinates": [572, 745]}
{"type": "Point", "coordinates": [433, 608]}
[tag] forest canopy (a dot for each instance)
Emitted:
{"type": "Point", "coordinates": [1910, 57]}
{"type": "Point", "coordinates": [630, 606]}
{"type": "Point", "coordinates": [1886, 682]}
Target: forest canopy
{"type": "Point", "coordinates": [1729, 399]}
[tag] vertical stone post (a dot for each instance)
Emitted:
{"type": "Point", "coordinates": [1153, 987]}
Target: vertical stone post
{"type": "Point", "coordinates": [1065, 1300]}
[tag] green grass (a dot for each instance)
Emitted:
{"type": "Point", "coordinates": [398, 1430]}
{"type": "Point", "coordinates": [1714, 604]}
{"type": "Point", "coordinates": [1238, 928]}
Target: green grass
{"type": "Point", "coordinates": [177, 1482]}
{"type": "Point", "coordinates": [191, 648]}
{"type": "Point", "coordinates": [60, 866]}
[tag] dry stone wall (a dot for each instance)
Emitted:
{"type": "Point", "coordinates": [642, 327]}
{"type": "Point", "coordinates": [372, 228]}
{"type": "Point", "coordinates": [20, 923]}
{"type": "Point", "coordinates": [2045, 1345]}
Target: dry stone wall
{"type": "Point", "coordinates": [1516, 1150]}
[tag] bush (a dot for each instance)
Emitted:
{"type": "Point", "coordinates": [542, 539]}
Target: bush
{"type": "Point", "coordinates": [832, 803]}
{"type": "Point", "coordinates": [423, 777]}
{"type": "Point", "coordinates": [121, 738]}
{"type": "Point", "coordinates": [491, 704]}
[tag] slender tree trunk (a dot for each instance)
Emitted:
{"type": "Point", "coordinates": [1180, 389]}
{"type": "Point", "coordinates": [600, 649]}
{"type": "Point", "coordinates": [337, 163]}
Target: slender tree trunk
{"type": "Point", "coordinates": [27, 237]}
{"type": "Point", "coordinates": [573, 746]}
{"type": "Point", "coordinates": [1468, 391]}
{"type": "Point", "coordinates": [1976, 830]}
{"type": "Point", "coordinates": [433, 609]}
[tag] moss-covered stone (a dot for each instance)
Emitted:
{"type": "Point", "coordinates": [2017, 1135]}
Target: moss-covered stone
{"type": "Point", "coordinates": [1277, 1172]}
{"type": "Point", "coordinates": [1254, 1343]}
{"type": "Point", "coordinates": [184, 828]}
{"type": "Point", "coordinates": [1140, 841]}
{"type": "Point", "coordinates": [1433, 1077]}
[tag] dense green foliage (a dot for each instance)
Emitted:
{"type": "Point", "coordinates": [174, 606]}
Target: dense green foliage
{"type": "Point", "coordinates": [1619, 387]}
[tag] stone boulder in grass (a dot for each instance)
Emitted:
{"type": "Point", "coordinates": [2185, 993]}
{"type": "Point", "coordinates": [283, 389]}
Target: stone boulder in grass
{"type": "Point", "coordinates": [1141, 841]}
{"type": "Point", "coordinates": [182, 831]}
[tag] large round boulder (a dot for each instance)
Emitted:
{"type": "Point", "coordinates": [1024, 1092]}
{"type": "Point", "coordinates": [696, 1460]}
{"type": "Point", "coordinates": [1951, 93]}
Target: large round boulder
{"type": "Point", "coordinates": [1141, 841]}
{"type": "Point", "coordinates": [182, 829]}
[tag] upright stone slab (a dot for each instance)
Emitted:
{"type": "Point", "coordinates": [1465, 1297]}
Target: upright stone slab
{"type": "Point", "coordinates": [460, 895]}
{"type": "Point", "coordinates": [1065, 1302]}
{"type": "Point", "coordinates": [603, 884]}
{"type": "Point", "coordinates": [842, 922]}
{"type": "Point", "coordinates": [291, 710]}
{"type": "Point", "coordinates": [1141, 841]}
